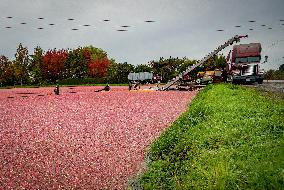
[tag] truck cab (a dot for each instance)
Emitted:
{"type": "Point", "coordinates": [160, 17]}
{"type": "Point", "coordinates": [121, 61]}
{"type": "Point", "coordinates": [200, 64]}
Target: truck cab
{"type": "Point", "coordinates": [244, 66]}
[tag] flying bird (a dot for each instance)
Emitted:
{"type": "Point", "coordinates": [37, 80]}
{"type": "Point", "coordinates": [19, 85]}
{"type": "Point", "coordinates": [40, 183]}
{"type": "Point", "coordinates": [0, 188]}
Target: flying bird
{"type": "Point", "coordinates": [106, 20]}
{"type": "Point", "coordinates": [281, 20]}
{"type": "Point", "coordinates": [23, 23]}
{"type": "Point", "coordinates": [250, 29]}
{"type": "Point", "coordinates": [74, 29]}
{"type": "Point", "coordinates": [125, 26]}
{"type": "Point", "coordinates": [269, 28]}
{"type": "Point", "coordinates": [251, 20]}
{"type": "Point", "coordinates": [238, 26]}
{"type": "Point", "coordinates": [220, 30]}
{"type": "Point", "coordinates": [40, 28]}
{"type": "Point", "coordinates": [121, 30]}
{"type": "Point", "coordinates": [263, 25]}
{"type": "Point", "coordinates": [86, 25]}
{"type": "Point", "coordinates": [51, 24]}
{"type": "Point", "coordinates": [8, 27]}
{"type": "Point", "coordinates": [149, 21]}
{"type": "Point", "coordinates": [9, 17]}
{"type": "Point", "coordinates": [70, 19]}
{"type": "Point", "coordinates": [40, 18]}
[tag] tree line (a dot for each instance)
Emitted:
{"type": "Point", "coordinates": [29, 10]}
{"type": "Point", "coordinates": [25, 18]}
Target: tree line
{"type": "Point", "coordinates": [85, 65]}
{"type": "Point", "coordinates": [52, 66]}
{"type": "Point", "coordinates": [275, 74]}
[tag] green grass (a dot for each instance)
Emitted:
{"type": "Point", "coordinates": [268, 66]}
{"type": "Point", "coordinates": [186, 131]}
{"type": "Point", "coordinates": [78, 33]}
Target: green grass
{"type": "Point", "coordinates": [230, 138]}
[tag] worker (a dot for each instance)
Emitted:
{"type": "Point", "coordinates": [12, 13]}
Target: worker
{"type": "Point", "coordinates": [56, 90]}
{"type": "Point", "coordinates": [135, 86]}
{"type": "Point", "coordinates": [224, 75]}
{"type": "Point", "coordinates": [129, 86]}
{"type": "Point", "coordinates": [106, 88]}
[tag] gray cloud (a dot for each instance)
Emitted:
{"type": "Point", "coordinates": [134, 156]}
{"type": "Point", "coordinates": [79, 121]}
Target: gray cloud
{"type": "Point", "coordinates": [182, 28]}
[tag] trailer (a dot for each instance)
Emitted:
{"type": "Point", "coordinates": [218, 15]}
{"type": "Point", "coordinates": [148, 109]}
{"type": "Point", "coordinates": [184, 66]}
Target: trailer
{"type": "Point", "coordinates": [140, 77]}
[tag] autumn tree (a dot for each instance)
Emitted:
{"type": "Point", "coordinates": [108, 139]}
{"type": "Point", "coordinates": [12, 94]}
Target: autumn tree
{"type": "Point", "coordinates": [53, 64]}
{"type": "Point", "coordinates": [6, 72]}
{"type": "Point", "coordinates": [3, 65]}
{"type": "Point", "coordinates": [98, 62]}
{"type": "Point", "coordinates": [98, 68]}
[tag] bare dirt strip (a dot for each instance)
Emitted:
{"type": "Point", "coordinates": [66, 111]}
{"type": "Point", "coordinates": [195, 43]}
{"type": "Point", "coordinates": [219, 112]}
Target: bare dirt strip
{"type": "Point", "coordinates": [80, 139]}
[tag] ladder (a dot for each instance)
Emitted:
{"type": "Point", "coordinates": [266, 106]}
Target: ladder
{"type": "Point", "coordinates": [190, 68]}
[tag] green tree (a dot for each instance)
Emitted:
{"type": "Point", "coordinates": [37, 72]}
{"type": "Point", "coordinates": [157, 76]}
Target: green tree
{"type": "Point", "coordinates": [269, 75]}
{"type": "Point", "coordinates": [279, 75]}
{"type": "Point", "coordinates": [215, 62]}
{"type": "Point", "coordinates": [112, 72]}
{"type": "Point", "coordinates": [118, 72]}
{"type": "Point", "coordinates": [274, 75]}
{"type": "Point", "coordinates": [281, 68]}
{"type": "Point", "coordinates": [36, 66]}
{"type": "Point", "coordinates": [21, 65]}
{"type": "Point", "coordinates": [185, 64]}
{"type": "Point", "coordinates": [76, 64]}
{"type": "Point", "coordinates": [167, 68]}
{"type": "Point", "coordinates": [143, 68]}
{"type": "Point", "coordinates": [96, 53]}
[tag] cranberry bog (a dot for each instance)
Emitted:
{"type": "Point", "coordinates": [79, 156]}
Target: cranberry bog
{"type": "Point", "coordinates": [80, 139]}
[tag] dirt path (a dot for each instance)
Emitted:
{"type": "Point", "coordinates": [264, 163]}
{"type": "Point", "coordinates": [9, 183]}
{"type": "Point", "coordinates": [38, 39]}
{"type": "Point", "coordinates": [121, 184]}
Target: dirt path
{"type": "Point", "coordinates": [272, 86]}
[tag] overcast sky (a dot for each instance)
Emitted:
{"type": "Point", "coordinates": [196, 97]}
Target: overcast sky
{"type": "Point", "coordinates": [182, 28]}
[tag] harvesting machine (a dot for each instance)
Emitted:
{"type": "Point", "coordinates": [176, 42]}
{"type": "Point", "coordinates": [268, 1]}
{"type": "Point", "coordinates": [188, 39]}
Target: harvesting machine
{"type": "Point", "coordinates": [242, 67]}
{"type": "Point", "coordinates": [179, 78]}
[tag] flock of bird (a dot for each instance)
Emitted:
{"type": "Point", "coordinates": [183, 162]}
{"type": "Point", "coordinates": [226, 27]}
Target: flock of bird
{"type": "Point", "coordinates": [121, 29]}
{"type": "Point", "coordinates": [252, 21]}
{"type": "Point", "coordinates": [124, 27]}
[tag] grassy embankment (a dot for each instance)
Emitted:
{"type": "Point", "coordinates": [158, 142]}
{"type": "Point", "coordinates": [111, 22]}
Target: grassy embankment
{"type": "Point", "coordinates": [230, 138]}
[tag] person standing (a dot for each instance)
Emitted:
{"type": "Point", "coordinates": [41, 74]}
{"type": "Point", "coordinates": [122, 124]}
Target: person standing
{"type": "Point", "coordinates": [56, 90]}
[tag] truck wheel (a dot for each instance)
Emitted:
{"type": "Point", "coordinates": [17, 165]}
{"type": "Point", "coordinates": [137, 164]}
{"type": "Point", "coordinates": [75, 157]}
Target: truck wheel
{"type": "Point", "coordinates": [198, 81]}
{"type": "Point", "coordinates": [229, 78]}
{"type": "Point", "coordinates": [260, 82]}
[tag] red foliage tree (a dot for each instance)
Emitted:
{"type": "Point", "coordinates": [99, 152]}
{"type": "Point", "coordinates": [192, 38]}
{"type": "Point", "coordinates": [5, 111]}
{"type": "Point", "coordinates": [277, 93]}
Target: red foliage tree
{"type": "Point", "coordinates": [53, 64]}
{"type": "Point", "coordinates": [98, 68]}
{"type": "Point", "coordinates": [87, 55]}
